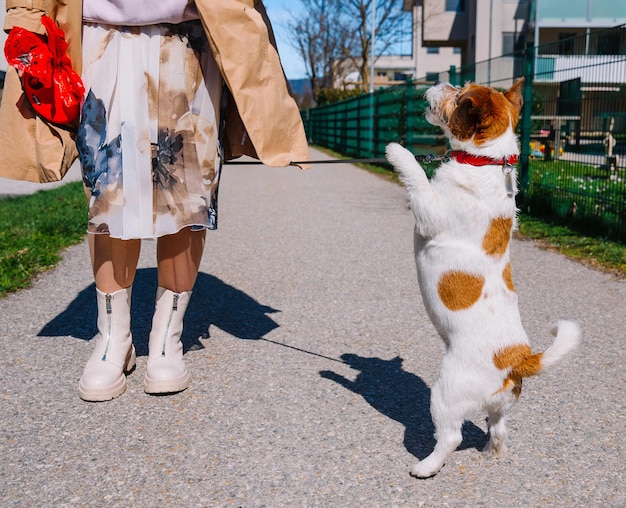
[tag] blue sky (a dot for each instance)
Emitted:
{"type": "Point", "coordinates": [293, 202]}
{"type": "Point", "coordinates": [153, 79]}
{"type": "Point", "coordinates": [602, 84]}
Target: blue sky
{"type": "Point", "coordinates": [279, 15]}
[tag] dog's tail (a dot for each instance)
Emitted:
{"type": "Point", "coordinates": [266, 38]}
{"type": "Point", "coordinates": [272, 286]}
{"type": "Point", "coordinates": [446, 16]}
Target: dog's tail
{"type": "Point", "coordinates": [566, 338]}
{"type": "Point", "coordinates": [411, 173]}
{"type": "Point", "coordinates": [521, 363]}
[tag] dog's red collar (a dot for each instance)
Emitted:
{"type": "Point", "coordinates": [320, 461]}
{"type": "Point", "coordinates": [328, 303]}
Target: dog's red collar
{"type": "Point", "coordinates": [479, 160]}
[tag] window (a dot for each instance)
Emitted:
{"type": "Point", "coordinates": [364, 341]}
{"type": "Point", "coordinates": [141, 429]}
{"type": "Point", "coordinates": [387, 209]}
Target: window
{"type": "Point", "coordinates": [457, 51]}
{"type": "Point", "coordinates": [609, 44]}
{"type": "Point", "coordinates": [455, 5]}
{"type": "Point", "coordinates": [511, 42]}
{"type": "Point", "coordinates": [432, 51]}
{"type": "Point", "coordinates": [432, 76]}
{"type": "Point", "coordinates": [566, 43]}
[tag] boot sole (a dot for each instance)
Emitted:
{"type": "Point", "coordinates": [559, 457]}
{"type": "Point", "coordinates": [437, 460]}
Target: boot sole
{"type": "Point", "coordinates": [156, 386]}
{"type": "Point", "coordinates": [105, 394]}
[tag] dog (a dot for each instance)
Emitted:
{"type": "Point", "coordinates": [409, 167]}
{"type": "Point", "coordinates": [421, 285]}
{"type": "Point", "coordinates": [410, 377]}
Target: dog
{"type": "Point", "coordinates": [464, 219]}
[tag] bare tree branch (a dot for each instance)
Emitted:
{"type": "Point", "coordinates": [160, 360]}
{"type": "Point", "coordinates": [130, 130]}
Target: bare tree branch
{"type": "Point", "coordinates": [390, 29]}
{"type": "Point", "coordinates": [315, 35]}
{"type": "Point", "coordinates": [328, 33]}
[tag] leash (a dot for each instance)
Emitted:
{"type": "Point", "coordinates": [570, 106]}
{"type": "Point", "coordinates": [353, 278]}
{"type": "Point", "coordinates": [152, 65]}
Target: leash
{"type": "Point", "coordinates": [426, 159]}
{"type": "Point", "coordinates": [462, 157]}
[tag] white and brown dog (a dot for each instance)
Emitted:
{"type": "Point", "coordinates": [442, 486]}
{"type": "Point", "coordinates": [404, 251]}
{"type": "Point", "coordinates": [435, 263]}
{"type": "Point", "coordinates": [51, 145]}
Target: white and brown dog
{"type": "Point", "coordinates": [464, 220]}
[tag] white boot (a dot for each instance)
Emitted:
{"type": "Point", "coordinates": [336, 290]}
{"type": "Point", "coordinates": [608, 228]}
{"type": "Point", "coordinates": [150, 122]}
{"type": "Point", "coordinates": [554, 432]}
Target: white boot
{"type": "Point", "coordinates": [166, 371]}
{"type": "Point", "coordinates": [114, 354]}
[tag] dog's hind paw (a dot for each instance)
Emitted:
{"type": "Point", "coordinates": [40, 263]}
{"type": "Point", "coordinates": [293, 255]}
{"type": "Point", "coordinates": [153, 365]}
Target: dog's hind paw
{"type": "Point", "coordinates": [495, 450]}
{"type": "Point", "coordinates": [424, 470]}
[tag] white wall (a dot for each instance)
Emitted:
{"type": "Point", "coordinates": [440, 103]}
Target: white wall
{"type": "Point", "coordinates": [3, 38]}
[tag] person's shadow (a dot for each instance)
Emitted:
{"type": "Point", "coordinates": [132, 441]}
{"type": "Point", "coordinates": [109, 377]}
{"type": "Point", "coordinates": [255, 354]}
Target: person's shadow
{"type": "Point", "coordinates": [213, 302]}
{"type": "Point", "coordinates": [404, 397]}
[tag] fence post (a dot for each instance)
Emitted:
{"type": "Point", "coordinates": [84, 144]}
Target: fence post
{"type": "Point", "coordinates": [375, 119]}
{"type": "Point", "coordinates": [372, 121]}
{"type": "Point", "coordinates": [454, 81]}
{"type": "Point", "coordinates": [403, 114]}
{"type": "Point", "coordinates": [529, 71]}
{"type": "Point", "coordinates": [358, 128]}
{"type": "Point", "coordinates": [344, 129]}
{"type": "Point", "coordinates": [410, 102]}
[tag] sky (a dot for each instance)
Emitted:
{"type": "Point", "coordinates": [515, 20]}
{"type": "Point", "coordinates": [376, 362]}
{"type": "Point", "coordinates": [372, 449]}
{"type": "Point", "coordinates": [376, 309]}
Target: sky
{"type": "Point", "coordinates": [279, 15]}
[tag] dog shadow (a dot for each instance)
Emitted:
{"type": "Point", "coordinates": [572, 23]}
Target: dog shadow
{"type": "Point", "coordinates": [213, 302]}
{"type": "Point", "coordinates": [405, 398]}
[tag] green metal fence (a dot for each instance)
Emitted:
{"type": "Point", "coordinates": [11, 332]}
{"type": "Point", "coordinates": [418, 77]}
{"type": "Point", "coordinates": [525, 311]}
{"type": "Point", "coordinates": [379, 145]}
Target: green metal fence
{"type": "Point", "coordinates": [572, 130]}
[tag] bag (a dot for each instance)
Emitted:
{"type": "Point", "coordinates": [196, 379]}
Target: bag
{"type": "Point", "coordinates": [52, 87]}
{"type": "Point", "coordinates": [33, 147]}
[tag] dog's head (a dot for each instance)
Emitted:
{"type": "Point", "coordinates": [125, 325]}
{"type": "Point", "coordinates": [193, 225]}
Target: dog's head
{"type": "Point", "coordinates": [474, 113]}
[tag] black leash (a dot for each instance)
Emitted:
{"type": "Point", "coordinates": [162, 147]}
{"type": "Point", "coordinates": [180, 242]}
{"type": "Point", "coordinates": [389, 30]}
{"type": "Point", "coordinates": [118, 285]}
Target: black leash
{"type": "Point", "coordinates": [426, 159]}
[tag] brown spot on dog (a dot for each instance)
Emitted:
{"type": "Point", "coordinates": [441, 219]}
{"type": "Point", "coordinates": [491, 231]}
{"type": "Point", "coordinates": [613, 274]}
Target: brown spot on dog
{"type": "Point", "coordinates": [508, 279]}
{"type": "Point", "coordinates": [520, 362]}
{"type": "Point", "coordinates": [462, 120]}
{"type": "Point", "coordinates": [496, 241]}
{"type": "Point", "coordinates": [514, 384]}
{"type": "Point", "coordinates": [460, 290]}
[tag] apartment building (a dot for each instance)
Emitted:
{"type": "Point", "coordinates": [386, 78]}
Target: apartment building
{"type": "Point", "coordinates": [485, 29]}
{"type": "Point", "coordinates": [579, 66]}
{"type": "Point", "coordinates": [424, 61]}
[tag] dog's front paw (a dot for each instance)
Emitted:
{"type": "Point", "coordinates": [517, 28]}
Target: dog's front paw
{"type": "Point", "coordinates": [397, 155]}
{"type": "Point", "coordinates": [424, 470]}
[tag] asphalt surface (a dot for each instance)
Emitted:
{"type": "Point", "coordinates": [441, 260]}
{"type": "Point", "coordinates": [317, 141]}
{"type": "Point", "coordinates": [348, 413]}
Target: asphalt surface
{"type": "Point", "coordinates": [19, 188]}
{"type": "Point", "coordinates": [311, 358]}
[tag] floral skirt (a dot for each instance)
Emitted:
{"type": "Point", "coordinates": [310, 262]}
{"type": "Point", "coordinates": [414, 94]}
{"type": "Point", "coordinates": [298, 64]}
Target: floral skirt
{"type": "Point", "coordinates": [148, 135]}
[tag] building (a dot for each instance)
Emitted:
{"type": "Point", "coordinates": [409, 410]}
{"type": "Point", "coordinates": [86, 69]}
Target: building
{"type": "Point", "coordinates": [485, 29]}
{"type": "Point", "coordinates": [578, 63]}
{"type": "Point", "coordinates": [423, 61]}
{"type": "Point", "coordinates": [3, 60]}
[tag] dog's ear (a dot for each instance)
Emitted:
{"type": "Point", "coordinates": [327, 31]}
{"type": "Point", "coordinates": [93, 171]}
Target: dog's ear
{"type": "Point", "coordinates": [463, 121]}
{"type": "Point", "coordinates": [481, 112]}
{"type": "Point", "coordinates": [515, 94]}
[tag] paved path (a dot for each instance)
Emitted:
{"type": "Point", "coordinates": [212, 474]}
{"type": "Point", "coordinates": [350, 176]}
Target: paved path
{"type": "Point", "coordinates": [311, 358]}
{"type": "Point", "coordinates": [18, 188]}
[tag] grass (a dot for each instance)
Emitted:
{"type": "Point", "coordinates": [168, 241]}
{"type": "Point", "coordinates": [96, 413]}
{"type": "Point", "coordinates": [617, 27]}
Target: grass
{"type": "Point", "coordinates": [596, 252]}
{"type": "Point", "coordinates": [598, 197]}
{"type": "Point", "coordinates": [35, 229]}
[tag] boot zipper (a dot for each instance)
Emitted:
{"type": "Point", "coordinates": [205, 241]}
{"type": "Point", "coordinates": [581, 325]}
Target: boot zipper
{"type": "Point", "coordinates": [107, 339]}
{"type": "Point", "coordinates": [169, 322]}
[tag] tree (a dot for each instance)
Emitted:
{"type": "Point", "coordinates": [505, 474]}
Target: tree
{"type": "Point", "coordinates": [318, 36]}
{"type": "Point", "coordinates": [390, 28]}
{"type": "Point", "coordinates": [329, 34]}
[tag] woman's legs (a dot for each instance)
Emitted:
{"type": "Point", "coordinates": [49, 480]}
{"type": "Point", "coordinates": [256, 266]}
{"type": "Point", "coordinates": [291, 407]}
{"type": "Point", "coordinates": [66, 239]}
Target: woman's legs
{"type": "Point", "coordinates": [178, 259]}
{"type": "Point", "coordinates": [114, 261]}
{"type": "Point", "coordinates": [114, 264]}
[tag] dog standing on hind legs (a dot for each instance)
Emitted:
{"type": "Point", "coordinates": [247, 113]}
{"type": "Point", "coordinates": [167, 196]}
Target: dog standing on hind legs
{"type": "Point", "coordinates": [464, 221]}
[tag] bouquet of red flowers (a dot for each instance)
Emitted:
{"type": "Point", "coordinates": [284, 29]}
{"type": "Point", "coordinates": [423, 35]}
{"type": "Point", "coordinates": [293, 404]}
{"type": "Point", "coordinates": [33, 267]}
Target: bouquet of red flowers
{"type": "Point", "coordinates": [50, 84]}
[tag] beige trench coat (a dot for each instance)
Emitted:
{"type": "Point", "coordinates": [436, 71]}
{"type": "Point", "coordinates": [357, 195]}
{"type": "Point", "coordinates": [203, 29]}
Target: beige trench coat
{"type": "Point", "coordinates": [262, 118]}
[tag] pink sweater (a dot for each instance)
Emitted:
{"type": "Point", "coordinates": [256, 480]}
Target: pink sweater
{"type": "Point", "coordinates": [138, 12]}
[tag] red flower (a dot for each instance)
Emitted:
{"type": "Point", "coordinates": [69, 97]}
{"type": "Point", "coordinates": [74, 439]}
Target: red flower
{"type": "Point", "coordinates": [51, 86]}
